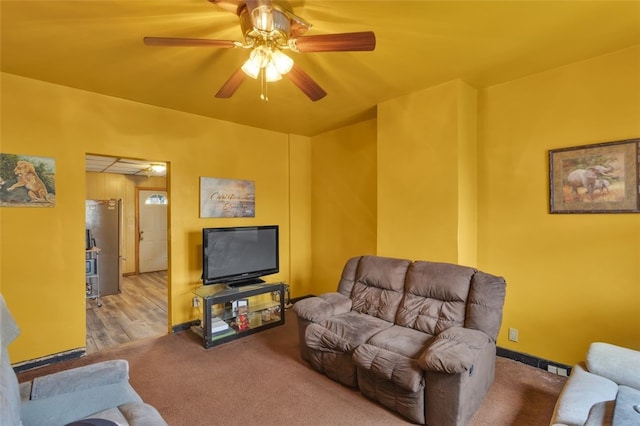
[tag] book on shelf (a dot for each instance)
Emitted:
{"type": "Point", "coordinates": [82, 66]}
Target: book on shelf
{"type": "Point", "coordinates": [218, 324]}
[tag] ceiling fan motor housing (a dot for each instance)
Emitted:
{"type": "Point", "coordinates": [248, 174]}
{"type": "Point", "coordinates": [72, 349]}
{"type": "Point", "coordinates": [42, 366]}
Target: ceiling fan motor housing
{"type": "Point", "coordinates": [271, 26]}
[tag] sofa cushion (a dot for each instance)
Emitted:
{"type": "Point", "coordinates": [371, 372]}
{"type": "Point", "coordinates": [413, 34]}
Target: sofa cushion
{"type": "Point", "coordinates": [388, 365]}
{"type": "Point", "coordinates": [343, 333]}
{"type": "Point", "coordinates": [581, 391]}
{"type": "Point", "coordinates": [454, 350]}
{"type": "Point", "coordinates": [402, 340]}
{"type": "Point", "coordinates": [436, 296]}
{"type": "Point", "coordinates": [378, 286]}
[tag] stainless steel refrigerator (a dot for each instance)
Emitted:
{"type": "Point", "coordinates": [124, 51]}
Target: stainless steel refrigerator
{"type": "Point", "coordinates": [104, 223]}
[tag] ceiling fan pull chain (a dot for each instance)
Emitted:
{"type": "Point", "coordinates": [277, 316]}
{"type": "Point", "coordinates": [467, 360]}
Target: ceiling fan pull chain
{"type": "Point", "coordinates": [263, 84]}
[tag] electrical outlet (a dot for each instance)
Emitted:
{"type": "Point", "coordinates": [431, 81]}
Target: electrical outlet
{"type": "Point", "coordinates": [195, 302]}
{"type": "Point", "coordinates": [562, 372]}
{"type": "Point", "coordinates": [513, 334]}
{"type": "Point", "coordinates": [552, 369]}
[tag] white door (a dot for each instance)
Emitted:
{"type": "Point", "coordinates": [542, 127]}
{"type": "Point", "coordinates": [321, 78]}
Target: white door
{"type": "Point", "coordinates": [152, 230]}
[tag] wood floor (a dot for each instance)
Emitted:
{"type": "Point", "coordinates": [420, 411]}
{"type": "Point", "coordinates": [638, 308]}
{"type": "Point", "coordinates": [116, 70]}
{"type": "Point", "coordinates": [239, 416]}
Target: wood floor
{"type": "Point", "coordinates": [139, 311]}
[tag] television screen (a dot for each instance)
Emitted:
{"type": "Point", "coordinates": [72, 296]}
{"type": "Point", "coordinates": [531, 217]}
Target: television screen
{"type": "Point", "coordinates": [239, 255]}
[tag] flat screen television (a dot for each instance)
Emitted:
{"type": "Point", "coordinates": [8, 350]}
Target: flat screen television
{"type": "Point", "coordinates": [239, 255]}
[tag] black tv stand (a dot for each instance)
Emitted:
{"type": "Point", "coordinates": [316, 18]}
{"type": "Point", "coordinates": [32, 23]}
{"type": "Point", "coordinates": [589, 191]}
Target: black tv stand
{"type": "Point", "coordinates": [230, 313]}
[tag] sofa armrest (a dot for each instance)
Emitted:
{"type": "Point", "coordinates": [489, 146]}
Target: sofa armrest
{"type": "Point", "coordinates": [454, 350]}
{"type": "Point", "coordinates": [616, 363]}
{"type": "Point", "coordinates": [317, 309]}
{"type": "Point", "coordinates": [80, 379]}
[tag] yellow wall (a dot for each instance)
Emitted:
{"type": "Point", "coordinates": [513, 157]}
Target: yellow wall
{"type": "Point", "coordinates": [300, 207]}
{"type": "Point", "coordinates": [105, 186]}
{"type": "Point", "coordinates": [43, 249]}
{"type": "Point", "coordinates": [401, 185]}
{"type": "Point", "coordinates": [572, 279]}
{"type": "Point", "coordinates": [343, 199]}
{"type": "Point", "coordinates": [426, 175]}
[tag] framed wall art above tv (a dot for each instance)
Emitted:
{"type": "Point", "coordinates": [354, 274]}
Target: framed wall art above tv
{"type": "Point", "coordinates": [227, 197]}
{"type": "Point", "coordinates": [598, 178]}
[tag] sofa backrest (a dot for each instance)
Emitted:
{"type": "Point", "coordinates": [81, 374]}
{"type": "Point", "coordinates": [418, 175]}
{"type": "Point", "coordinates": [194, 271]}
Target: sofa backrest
{"type": "Point", "coordinates": [443, 295]}
{"type": "Point", "coordinates": [375, 284]}
{"type": "Point", "coordinates": [435, 296]}
{"type": "Point", "coordinates": [485, 302]}
{"type": "Point", "coordinates": [426, 296]}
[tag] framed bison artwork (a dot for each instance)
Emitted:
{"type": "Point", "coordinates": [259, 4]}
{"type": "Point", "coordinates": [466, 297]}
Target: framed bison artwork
{"type": "Point", "coordinates": [599, 178]}
{"type": "Point", "coordinates": [27, 181]}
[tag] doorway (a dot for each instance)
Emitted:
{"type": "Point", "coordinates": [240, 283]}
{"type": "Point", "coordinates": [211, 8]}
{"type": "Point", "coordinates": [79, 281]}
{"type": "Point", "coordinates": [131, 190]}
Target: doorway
{"type": "Point", "coordinates": [140, 308]}
{"type": "Point", "coordinates": [152, 230]}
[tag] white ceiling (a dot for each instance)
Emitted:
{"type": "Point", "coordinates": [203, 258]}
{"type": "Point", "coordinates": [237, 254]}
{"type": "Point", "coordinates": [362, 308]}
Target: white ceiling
{"type": "Point", "coordinates": [97, 46]}
{"type": "Point", "coordinates": [124, 166]}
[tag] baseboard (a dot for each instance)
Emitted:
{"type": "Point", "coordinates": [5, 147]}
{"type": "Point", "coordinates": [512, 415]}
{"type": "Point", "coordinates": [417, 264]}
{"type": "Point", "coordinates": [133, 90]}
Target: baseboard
{"type": "Point", "coordinates": [533, 361]}
{"type": "Point", "coordinates": [184, 326]}
{"type": "Point", "coordinates": [50, 359]}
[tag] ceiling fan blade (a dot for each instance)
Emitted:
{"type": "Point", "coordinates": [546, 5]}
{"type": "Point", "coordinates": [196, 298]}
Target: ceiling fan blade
{"type": "Point", "coordinates": [189, 42]}
{"type": "Point", "coordinates": [305, 83]}
{"type": "Point", "coordinates": [231, 85]}
{"type": "Point", "coordinates": [343, 42]}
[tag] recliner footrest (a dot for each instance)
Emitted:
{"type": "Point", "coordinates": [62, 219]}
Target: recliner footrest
{"type": "Point", "coordinates": [398, 369]}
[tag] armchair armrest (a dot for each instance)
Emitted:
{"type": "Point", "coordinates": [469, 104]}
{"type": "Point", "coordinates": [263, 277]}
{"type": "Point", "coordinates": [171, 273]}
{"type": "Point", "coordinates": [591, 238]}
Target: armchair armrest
{"type": "Point", "coordinates": [454, 350]}
{"type": "Point", "coordinates": [69, 395]}
{"type": "Point", "coordinates": [317, 309]}
{"type": "Point", "coordinates": [80, 379]}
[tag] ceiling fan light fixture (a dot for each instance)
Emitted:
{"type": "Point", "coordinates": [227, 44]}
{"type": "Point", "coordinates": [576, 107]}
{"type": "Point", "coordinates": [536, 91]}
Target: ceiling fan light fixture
{"type": "Point", "coordinates": [251, 68]}
{"type": "Point", "coordinates": [282, 62]}
{"type": "Point", "coordinates": [273, 61]}
{"type": "Point", "coordinates": [271, 73]}
{"type": "Point", "coordinates": [256, 61]}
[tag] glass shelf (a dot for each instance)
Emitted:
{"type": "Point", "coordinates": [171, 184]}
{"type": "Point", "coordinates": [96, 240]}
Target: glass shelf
{"type": "Point", "coordinates": [230, 313]}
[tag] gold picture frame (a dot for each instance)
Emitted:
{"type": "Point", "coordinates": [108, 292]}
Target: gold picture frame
{"type": "Point", "coordinates": [598, 178]}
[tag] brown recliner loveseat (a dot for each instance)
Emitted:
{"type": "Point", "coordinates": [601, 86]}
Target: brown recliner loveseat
{"type": "Point", "coordinates": [418, 337]}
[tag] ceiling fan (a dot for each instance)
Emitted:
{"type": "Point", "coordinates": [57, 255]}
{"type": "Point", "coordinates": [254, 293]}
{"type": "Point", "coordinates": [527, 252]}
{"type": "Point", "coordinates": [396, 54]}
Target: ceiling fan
{"type": "Point", "coordinates": [268, 30]}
